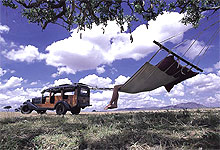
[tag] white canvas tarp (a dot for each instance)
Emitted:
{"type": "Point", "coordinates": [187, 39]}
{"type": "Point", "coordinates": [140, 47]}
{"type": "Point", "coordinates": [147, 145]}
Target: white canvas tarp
{"type": "Point", "coordinates": [147, 78]}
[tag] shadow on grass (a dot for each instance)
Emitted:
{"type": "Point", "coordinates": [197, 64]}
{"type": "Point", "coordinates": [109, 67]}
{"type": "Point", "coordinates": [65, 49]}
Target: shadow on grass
{"type": "Point", "coordinates": [155, 129]}
{"type": "Point", "coordinates": [19, 132]}
{"type": "Point", "coordinates": [167, 129]}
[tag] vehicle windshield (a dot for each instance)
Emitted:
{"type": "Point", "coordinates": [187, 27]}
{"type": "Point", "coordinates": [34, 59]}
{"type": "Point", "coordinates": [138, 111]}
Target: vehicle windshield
{"type": "Point", "coordinates": [84, 91]}
{"type": "Point", "coordinates": [46, 94]}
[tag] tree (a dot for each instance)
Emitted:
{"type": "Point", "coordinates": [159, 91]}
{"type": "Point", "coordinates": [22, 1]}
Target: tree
{"type": "Point", "coordinates": [7, 107]}
{"type": "Point", "coordinates": [83, 13]}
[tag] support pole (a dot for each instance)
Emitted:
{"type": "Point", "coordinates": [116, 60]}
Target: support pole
{"type": "Point", "coordinates": [174, 54]}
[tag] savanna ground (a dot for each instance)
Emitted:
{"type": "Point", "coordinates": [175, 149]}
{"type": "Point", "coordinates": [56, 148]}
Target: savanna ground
{"type": "Point", "coordinates": [154, 130]}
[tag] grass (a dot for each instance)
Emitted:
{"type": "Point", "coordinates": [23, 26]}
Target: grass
{"type": "Point", "coordinates": [198, 129]}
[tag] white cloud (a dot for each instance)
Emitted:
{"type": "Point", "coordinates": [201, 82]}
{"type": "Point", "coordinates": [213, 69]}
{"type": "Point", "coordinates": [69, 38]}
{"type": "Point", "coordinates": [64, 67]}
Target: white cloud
{"type": "Point", "coordinates": [101, 69]}
{"type": "Point", "coordinates": [3, 28]}
{"type": "Point", "coordinates": [218, 72]}
{"type": "Point", "coordinates": [175, 101]}
{"type": "Point", "coordinates": [203, 83]}
{"type": "Point", "coordinates": [99, 99]}
{"type": "Point", "coordinates": [15, 97]}
{"type": "Point", "coordinates": [208, 70]}
{"type": "Point", "coordinates": [121, 80]}
{"type": "Point", "coordinates": [178, 90]}
{"type": "Point", "coordinates": [194, 49]}
{"type": "Point", "coordinates": [113, 70]}
{"type": "Point", "coordinates": [33, 83]}
{"type": "Point", "coordinates": [217, 96]}
{"type": "Point", "coordinates": [211, 100]}
{"type": "Point", "coordinates": [217, 65]}
{"type": "Point", "coordinates": [158, 91]}
{"type": "Point", "coordinates": [94, 80]}
{"type": "Point", "coordinates": [25, 53]}
{"type": "Point", "coordinates": [62, 81]}
{"type": "Point", "coordinates": [141, 100]}
{"type": "Point", "coordinates": [61, 70]}
{"type": "Point", "coordinates": [11, 83]}
{"type": "Point", "coordinates": [74, 54]}
{"type": "Point", "coordinates": [2, 72]}
{"type": "Point", "coordinates": [2, 40]}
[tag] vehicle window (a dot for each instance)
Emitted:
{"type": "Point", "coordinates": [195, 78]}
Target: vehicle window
{"type": "Point", "coordinates": [46, 94]}
{"type": "Point", "coordinates": [69, 93]}
{"type": "Point", "coordinates": [58, 94]}
{"type": "Point", "coordinates": [84, 91]}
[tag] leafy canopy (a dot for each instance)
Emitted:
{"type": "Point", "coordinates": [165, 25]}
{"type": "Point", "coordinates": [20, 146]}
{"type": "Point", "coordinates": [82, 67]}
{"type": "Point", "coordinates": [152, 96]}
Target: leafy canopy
{"type": "Point", "coordinates": [83, 13]}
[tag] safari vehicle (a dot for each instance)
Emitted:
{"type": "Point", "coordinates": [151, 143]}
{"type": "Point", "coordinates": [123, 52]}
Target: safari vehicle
{"type": "Point", "coordinates": [63, 98]}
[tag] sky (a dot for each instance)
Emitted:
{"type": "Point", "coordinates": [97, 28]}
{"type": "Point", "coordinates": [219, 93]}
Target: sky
{"type": "Point", "coordinates": [32, 59]}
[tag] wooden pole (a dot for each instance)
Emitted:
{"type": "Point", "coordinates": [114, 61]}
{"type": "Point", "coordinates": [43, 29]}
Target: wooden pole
{"type": "Point", "coordinates": [169, 51]}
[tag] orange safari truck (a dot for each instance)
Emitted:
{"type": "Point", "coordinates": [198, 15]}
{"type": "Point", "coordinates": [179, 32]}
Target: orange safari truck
{"type": "Point", "coordinates": [63, 98]}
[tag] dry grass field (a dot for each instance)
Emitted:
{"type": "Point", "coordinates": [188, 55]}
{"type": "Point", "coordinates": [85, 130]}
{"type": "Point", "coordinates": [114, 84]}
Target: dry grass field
{"type": "Point", "coordinates": [153, 130]}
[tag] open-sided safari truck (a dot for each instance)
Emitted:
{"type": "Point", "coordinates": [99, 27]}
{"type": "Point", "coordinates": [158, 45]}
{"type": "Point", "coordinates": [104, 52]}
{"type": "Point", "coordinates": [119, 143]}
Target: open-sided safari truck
{"type": "Point", "coordinates": [61, 98]}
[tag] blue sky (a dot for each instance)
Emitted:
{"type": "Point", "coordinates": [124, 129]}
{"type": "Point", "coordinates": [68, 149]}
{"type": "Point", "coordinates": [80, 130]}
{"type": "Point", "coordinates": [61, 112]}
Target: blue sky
{"type": "Point", "coordinates": [32, 59]}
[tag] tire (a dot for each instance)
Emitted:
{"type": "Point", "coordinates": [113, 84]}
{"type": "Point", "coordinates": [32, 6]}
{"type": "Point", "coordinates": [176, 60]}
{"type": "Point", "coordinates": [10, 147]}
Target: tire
{"type": "Point", "coordinates": [41, 111]}
{"type": "Point", "coordinates": [75, 110]}
{"type": "Point", "coordinates": [61, 109]}
{"type": "Point", "coordinates": [25, 109]}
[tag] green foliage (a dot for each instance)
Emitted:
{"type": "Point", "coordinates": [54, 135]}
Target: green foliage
{"type": "Point", "coordinates": [83, 13]}
{"type": "Point", "coordinates": [134, 130]}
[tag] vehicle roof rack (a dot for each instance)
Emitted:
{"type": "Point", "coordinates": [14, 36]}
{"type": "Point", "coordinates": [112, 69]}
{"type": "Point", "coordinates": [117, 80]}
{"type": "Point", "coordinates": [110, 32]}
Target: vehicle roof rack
{"type": "Point", "coordinates": [66, 87]}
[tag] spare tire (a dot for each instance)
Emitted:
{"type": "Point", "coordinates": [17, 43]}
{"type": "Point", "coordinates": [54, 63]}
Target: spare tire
{"type": "Point", "coordinates": [25, 109]}
{"type": "Point", "coordinates": [61, 109]}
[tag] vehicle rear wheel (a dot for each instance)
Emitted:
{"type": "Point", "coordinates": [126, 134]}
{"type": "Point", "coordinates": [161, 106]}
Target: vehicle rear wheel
{"type": "Point", "coordinates": [75, 110]}
{"type": "Point", "coordinates": [61, 109]}
{"type": "Point", "coordinates": [41, 111]}
{"type": "Point", "coordinates": [25, 109]}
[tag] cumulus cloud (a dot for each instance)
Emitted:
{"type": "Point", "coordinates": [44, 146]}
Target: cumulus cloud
{"type": "Point", "coordinates": [203, 89]}
{"type": "Point", "coordinates": [28, 53]}
{"type": "Point", "coordinates": [211, 100]}
{"type": "Point", "coordinates": [95, 48]}
{"type": "Point", "coordinates": [62, 81]}
{"type": "Point", "coordinates": [208, 70]}
{"type": "Point", "coordinates": [3, 28]}
{"type": "Point", "coordinates": [99, 99]}
{"type": "Point", "coordinates": [2, 72]}
{"type": "Point", "coordinates": [175, 101]}
{"type": "Point", "coordinates": [11, 83]}
{"type": "Point", "coordinates": [61, 70]}
{"type": "Point", "coordinates": [218, 72]}
{"type": "Point", "coordinates": [178, 90]}
{"type": "Point", "coordinates": [33, 83]}
{"type": "Point", "coordinates": [197, 49]}
{"type": "Point", "coordinates": [15, 97]}
{"type": "Point", "coordinates": [217, 65]}
{"type": "Point", "coordinates": [96, 81]}
{"type": "Point", "coordinates": [101, 69]}
{"type": "Point", "coordinates": [203, 83]}
{"type": "Point", "coordinates": [121, 80]}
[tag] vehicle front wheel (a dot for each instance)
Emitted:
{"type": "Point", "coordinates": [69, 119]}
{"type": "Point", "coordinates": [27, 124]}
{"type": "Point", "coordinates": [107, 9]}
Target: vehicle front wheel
{"type": "Point", "coordinates": [61, 109]}
{"type": "Point", "coordinates": [41, 111]}
{"type": "Point", "coordinates": [25, 109]}
{"type": "Point", "coordinates": [75, 110]}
